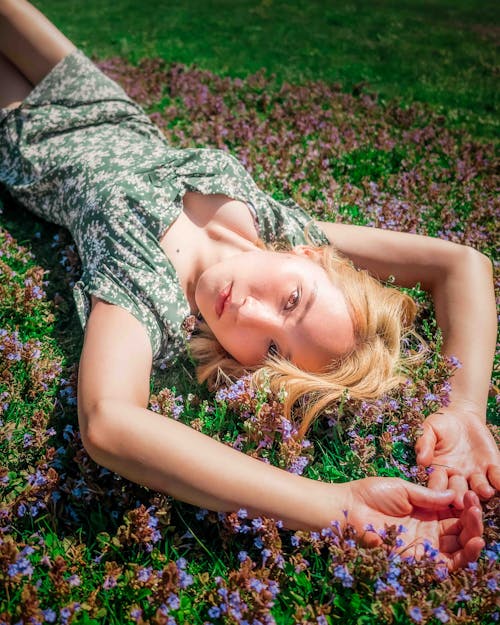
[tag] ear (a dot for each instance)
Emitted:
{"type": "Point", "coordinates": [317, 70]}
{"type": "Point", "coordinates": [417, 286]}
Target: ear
{"type": "Point", "coordinates": [312, 253]}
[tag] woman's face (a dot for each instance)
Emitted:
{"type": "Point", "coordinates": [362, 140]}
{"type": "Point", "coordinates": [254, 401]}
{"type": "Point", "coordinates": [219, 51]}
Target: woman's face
{"type": "Point", "coordinates": [260, 301]}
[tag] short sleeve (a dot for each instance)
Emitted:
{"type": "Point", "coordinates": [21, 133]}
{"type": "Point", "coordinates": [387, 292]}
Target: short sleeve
{"type": "Point", "coordinates": [105, 285]}
{"type": "Point", "coordinates": [286, 222]}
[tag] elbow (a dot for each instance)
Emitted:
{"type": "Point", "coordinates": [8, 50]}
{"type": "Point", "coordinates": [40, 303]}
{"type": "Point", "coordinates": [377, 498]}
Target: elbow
{"type": "Point", "coordinates": [479, 261]}
{"type": "Point", "coordinates": [460, 262]}
{"type": "Point", "coordinates": [95, 431]}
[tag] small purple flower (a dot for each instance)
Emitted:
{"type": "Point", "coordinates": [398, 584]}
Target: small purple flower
{"type": "Point", "coordinates": [221, 591]}
{"type": "Point", "coordinates": [441, 614]}
{"type": "Point", "coordinates": [49, 615]}
{"type": "Point", "coordinates": [441, 572]}
{"type": "Point", "coordinates": [266, 553]}
{"type": "Point", "coordinates": [492, 584]}
{"type": "Point", "coordinates": [173, 601]}
{"type": "Point", "coordinates": [144, 573]}
{"type": "Point", "coordinates": [22, 566]}
{"type": "Point", "coordinates": [242, 556]}
{"type": "Point", "coordinates": [109, 582]}
{"type": "Point", "coordinates": [185, 579]}
{"type": "Point", "coordinates": [256, 584]}
{"type": "Point", "coordinates": [463, 596]}
{"type": "Point", "coordinates": [380, 586]}
{"type": "Point", "coordinates": [429, 550]}
{"type": "Point", "coordinates": [343, 574]}
{"type": "Point", "coordinates": [201, 514]}
{"type": "Point", "coordinates": [416, 614]}
{"type": "Point", "coordinates": [242, 513]}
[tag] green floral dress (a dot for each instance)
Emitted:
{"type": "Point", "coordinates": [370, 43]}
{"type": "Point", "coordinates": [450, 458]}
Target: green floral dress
{"type": "Point", "coordinates": [80, 153]}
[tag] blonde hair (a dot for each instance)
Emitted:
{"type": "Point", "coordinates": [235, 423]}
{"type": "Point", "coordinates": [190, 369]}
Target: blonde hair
{"type": "Point", "coordinates": [381, 317]}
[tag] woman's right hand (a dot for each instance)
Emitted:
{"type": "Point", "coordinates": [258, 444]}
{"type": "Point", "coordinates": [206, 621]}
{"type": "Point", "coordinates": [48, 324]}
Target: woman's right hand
{"type": "Point", "coordinates": [425, 514]}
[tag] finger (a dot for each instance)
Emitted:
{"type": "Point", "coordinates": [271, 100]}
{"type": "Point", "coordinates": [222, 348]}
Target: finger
{"type": "Point", "coordinates": [470, 553]}
{"type": "Point", "coordinates": [480, 485]}
{"type": "Point", "coordinates": [429, 499]}
{"type": "Point", "coordinates": [449, 544]}
{"type": "Point", "coordinates": [494, 476]}
{"type": "Point", "coordinates": [451, 526]}
{"type": "Point", "coordinates": [425, 446]}
{"type": "Point", "coordinates": [459, 484]}
{"type": "Point", "coordinates": [471, 500]}
{"type": "Point", "coordinates": [472, 520]}
{"type": "Point", "coordinates": [438, 479]}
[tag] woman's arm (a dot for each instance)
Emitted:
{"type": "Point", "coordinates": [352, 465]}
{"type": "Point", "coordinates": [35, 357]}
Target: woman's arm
{"type": "Point", "coordinates": [460, 282]}
{"type": "Point", "coordinates": [166, 455]}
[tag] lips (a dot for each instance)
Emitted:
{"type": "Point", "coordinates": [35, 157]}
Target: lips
{"type": "Point", "coordinates": [223, 298]}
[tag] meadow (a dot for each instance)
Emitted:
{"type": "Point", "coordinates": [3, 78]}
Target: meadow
{"type": "Point", "coordinates": [362, 113]}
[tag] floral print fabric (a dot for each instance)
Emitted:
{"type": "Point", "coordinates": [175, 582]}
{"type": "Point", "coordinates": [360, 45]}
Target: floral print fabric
{"type": "Point", "coordinates": [80, 153]}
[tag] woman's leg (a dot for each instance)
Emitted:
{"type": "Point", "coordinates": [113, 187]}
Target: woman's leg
{"type": "Point", "coordinates": [29, 41]}
{"type": "Point", "coordinates": [15, 87]}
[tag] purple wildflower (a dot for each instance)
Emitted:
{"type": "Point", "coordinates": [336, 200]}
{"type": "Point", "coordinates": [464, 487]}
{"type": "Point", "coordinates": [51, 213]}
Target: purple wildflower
{"type": "Point", "coordinates": [109, 582]}
{"type": "Point", "coordinates": [343, 574]}
{"type": "Point", "coordinates": [441, 614]}
{"type": "Point", "coordinates": [49, 615]}
{"type": "Point", "coordinates": [144, 573]}
{"type": "Point", "coordinates": [463, 596]}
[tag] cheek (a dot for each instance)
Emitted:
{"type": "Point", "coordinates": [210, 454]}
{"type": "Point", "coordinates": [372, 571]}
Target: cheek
{"type": "Point", "coordinates": [242, 346]}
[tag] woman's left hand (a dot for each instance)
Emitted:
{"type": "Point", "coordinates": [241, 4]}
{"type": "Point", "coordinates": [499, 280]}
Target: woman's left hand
{"type": "Point", "coordinates": [462, 451]}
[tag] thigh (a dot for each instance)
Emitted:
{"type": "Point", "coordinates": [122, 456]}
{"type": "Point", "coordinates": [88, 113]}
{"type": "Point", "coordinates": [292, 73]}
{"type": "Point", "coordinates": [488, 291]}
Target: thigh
{"type": "Point", "coordinates": [29, 40]}
{"type": "Point", "coordinates": [15, 87]}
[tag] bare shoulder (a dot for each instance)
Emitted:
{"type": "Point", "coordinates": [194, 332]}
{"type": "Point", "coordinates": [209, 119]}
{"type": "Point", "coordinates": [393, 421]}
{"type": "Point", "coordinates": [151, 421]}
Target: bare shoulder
{"type": "Point", "coordinates": [116, 359]}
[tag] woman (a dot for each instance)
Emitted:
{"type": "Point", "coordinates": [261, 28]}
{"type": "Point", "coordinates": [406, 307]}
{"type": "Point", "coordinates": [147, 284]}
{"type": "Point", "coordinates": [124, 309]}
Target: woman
{"type": "Point", "coordinates": [164, 234]}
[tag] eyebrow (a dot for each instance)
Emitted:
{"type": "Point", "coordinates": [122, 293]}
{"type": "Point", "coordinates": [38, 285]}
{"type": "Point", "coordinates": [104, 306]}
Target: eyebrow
{"type": "Point", "coordinates": [305, 309]}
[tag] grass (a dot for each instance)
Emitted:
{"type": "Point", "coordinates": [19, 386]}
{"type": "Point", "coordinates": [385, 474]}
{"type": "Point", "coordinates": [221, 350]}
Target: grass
{"type": "Point", "coordinates": [441, 52]}
{"type": "Point", "coordinates": [81, 545]}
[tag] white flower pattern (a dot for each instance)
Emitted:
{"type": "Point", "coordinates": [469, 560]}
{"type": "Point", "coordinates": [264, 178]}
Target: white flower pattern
{"type": "Point", "coordinates": [80, 153]}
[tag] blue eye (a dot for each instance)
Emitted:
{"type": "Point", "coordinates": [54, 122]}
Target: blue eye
{"type": "Point", "coordinates": [293, 300]}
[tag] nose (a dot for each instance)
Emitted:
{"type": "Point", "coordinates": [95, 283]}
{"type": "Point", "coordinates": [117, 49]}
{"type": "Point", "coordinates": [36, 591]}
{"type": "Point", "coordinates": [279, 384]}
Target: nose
{"type": "Point", "coordinates": [256, 313]}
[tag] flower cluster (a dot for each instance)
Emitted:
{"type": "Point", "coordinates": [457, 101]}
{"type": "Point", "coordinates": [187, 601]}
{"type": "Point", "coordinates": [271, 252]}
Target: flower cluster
{"type": "Point", "coordinates": [80, 544]}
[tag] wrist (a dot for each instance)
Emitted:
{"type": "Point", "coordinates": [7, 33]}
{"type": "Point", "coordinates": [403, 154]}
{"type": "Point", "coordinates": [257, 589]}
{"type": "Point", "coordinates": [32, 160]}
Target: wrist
{"type": "Point", "coordinates": [464, 407]}
{"type": "Point", "coordinates": [338, 503]}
